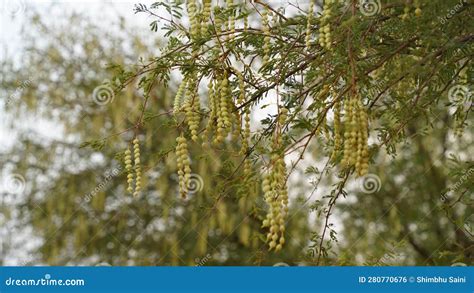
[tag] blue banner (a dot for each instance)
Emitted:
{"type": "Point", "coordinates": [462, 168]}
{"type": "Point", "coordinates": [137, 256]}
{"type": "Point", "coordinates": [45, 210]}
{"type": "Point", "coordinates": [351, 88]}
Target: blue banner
{"type": "Point", "coordinates": [237, 279]}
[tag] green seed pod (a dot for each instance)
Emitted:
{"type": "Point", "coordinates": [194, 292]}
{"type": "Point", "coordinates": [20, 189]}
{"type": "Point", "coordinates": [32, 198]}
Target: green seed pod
{"type": "Point", "coordinates": [206, 16]}
{"type": "Point", "coordinates": [128, 168]}
{"type": "Point", "coordinates": [266, 39]}
{"type": "Point", "coordinates": [179, 97]}
{"type": "Point", "coordinates": [192, 109]}
{"type": "Point", "coordinates": [138, 172]}
{"type": "Point", "coordinates": [275, 191]}
{"type": "Point", "coordinates": [192, 14]}
{"type": "Point", "coordinates": [230, 3]}
{"type": "Point", "coordinates": [183, 164]}
{"type": "Point", "coordinates": [325, 26]}
{"type": "Point", "coordinates": [308, 24]}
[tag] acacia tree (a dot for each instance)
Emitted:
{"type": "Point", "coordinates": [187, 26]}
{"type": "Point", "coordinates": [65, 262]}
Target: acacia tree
{"type": "Point", "coordinates": [269, 98]}
{"type": "Point", "coordinates": [348, 77]}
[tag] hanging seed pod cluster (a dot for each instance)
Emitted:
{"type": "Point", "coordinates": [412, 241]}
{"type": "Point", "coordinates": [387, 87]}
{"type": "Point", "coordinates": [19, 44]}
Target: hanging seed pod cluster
{"type": "Point", "coordinates": [192, 108]}
{"type": "Point", "coordinates": [234, 62]}
{"type": "Point", "coordinates": [309, 23]}
{"type": "Point", "coordinates": [245, 60]}
{"type": "Point", "coordinates": [134, 173]}
{"type": "Point", "coordinates": [325, 37]}
{"type": "Point", "coordinates": [337, 129]}
{"type": "Point", "coordinates": [274, 188]}
{"type": "Point", "coordinates": [184, 165]}
{"type": "Point", "coordinates": [356, 151]}
{"type": "Point", "coordinates": [226, 114]}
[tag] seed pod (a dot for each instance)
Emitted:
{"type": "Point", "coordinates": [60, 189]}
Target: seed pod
{"type": "Point", "coordinates": [236, 121]}
{"type": "Point", "coordinates": [274, 188]}
{"type": "Point", "coordinates": [346, 161]}
{"type": "Point", "coordinates": [337, 130]}
{"type": "Point", "coordinates": [192, 109]}
{"type": "Point", "coordinates": [230, 3]}
{"type": "Point", "coordinates": [183, 164]}
{"type": "Point", "coordinates": [128, 168]}
{"type": "Point", "coordinates": [206, 16]}
{"type": "Point", "coordinates": [266, 39]}
{"type": "Point", "coordinates": [218, 22]}
{"type": "Point", "coordinates": [362, 164]}
{"type": "Point", "coordinates": [212, 113]}
{"type": "Point", "coordinates": [192, 14]}
{"type": "Point", "coordinates": [246, 22]}
{"type": "Point", "coordinates": [223, 121]}
{"type": "Point", "coordinates": [356, 152]}
{"type": "Point", "coordinates": [138, 170]}
{"type": "Point", "coordinates": [308, 24]}
{"type": "Point", "coordinates": [246, 135]}
{"type": "Point", "coordinates": [325, 38]}
{"type": "Point", "coordinates": [179, 97]}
